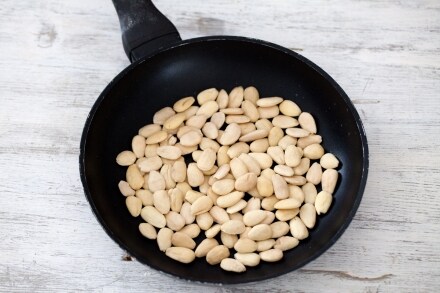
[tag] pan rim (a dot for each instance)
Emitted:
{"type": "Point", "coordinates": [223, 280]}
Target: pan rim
{"type": "Point", "coordinates": [310, 64]}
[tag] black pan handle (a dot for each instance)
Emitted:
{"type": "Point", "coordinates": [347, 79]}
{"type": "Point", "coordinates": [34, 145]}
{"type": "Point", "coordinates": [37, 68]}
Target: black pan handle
{"type": "Point", "coordinates": [144, 28]}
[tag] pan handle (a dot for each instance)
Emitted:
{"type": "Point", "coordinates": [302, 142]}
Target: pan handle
{"type": "Point", "coordinates": [144, 28]}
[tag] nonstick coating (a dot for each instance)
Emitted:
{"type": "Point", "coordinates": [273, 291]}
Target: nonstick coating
{"type": "Point", "coordinates": [130, 101]}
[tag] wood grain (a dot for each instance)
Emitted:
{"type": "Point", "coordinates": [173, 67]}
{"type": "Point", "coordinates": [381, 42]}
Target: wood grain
{"type": "Point", "coordinates": [56, 56]}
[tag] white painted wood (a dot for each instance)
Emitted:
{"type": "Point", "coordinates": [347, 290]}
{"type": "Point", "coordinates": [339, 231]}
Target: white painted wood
{"type": "Point", "coordinates": [56, 56]}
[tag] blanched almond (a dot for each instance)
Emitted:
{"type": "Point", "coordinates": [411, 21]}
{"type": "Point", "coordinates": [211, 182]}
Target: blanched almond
{"type": "Point", "coordinates": [161, 201]}
{"type": "Point", "coordinates": [286, 242]}
{"type": "Point", "coordinates": [156, 181]}
{"type": "Point", "coordinates": [251, 94]}
{"type": "Point", "coordinates": [265, 244]}
{"type": "Point", "coordinates": [239, 119]}
{"type": "Point", "coordinates": [207, 95]}
{"type": "Point", "coordinates": [303, 167]}
{"type": "Point", "coordinates": [134, 177]}
{"type": "Point", "coordinates": [254, 217]}
{"type": "Point", "coordinates": [174, 121]}
{"type": "Point", "coordinates": [178, 171]}
{"type": "Point", "coordinates": [191, 230]}
{"type": "Point", "coordinates": [264, 124]}
{"type": "Point", "coordinates": [293, 156]}
{"type": "Point", "coordinates": [253, 204]}
{"type": "Point", "coordinates": [164, 238]}
{"type": "Point", "coordinates": [271, 255]}
{"type": "Point", "coordinates": [259, 145]}
{"type": "Point", "coordinates": [314, 151]}
{"type": "Point", "coordinates": [224, 186]}
{"type": "Point", "coordinates": [230, 199]}
{"type": "Point", "coordinates": [153, 216]}
{"type": "Point", "coordinates": [323, 202]}
{"type": "Point", "coordinates": [263, 159]}
{"type": "Point", "coordinates": [289, 108]}
{"type": "Point", "coordinates": [296, 193]}
{"type": "Point", "coordinates": [134, 205]}
{"type": "Point", "coordinates": [297, 132]}
{"type": "Point", "coordinates": [202, 205]}
{"type": "Point", "coordinates": [237, 149]}
{"type": "Point", "coordinates": [175, 221]}
{"type": "Point", "coordinates": [264, 186]}
{"type": "Point", "coordinates": [238, 168]}
{"type": "Point", "coordinates": [283, 170]}
{"type": "Point", "coordinates": [180, 239]}
{"type": "Point", "coordinates": [222, 99]}
{"type": "Point", "coordinates": [268, 203]}
{"type": "Point", "coordinates": [241, 204]}
{"type": "Point", "coordinates": [183, 104]}
{"type": "Point", "coordinates": [180, 254]}
{"type": "Point", "coordinates": [268, 112]}
{"type": "Point", "coordinates": [269, 102]}
{"type": "Point", "coordinates": [246, 182]}
{"type": "Point", "coordinates": [145, 196]}
{"type": "Point", "coordinates": [298, 229]}
{"type": "Point", "coordinates": [329, 180]}
{"type": "Point", "coordinates": [208, 109]}
{"type": "Point", "coordinates": [307, 214]}
{"type": "Point", "coordinates": [286, 215]}
{"type": "Point", "coordinates": [217, 254]}
{"type": "Point", "coordinates": [296, 180]}
{"type": "Point", "coordinates": [169, 152]}
{"type": "Point", "coordinates": [205, 246]}
{"type": "Point", "coordinates": [222, 156]}
{"type": "Point", "coordinates": [289, 203]}
{"type": "Point", "coordinates": [275, 134]}
{"type": "Point", "coordinates": [260, 232]}
{"type": "Point", "coordinates": [329, 161]}
{"type": "Point", "coordinates": [280, 187]}
{"type": "Point", "coordinates": [126, 158]}
{"type": "Point", "coordinates": [279, 229]}
{"type": "Point", "coordinates": [232, 265]}
{"type": "Point", "coordinates": [314, 174]}
{"type": "Point", "coordinates": [197, 121]}
{"type": "Point", "coordinates": [204, 221]}
{"type": "Point", "coordinates": [236, 97]}
{"type": "Point", "coordinates": [185, 211]}
{"type": "Point", "coordinates": [233, 227]}
{"type": "Point", "coordinates": [151, 164]}
{"type": "Point", "coordinates": [149, 129]}
{"type": "Point", "coordinates": [213, 231]}
{"type": "Point", "coordinates": [282, 121]}
{"type": "Point", "coordinates": [254, 135]}
{"type": "Point", "coordinates": [250, 110]}
{"type": "Point", "coordinates": [194, 175]}
{"type": "Point", "coordinates": [210, 130]}
{"type": "Point", "coordinates": [191, 111]}
{"type": "Point", "coordinates": [162, 115]}
{"type": "Point", "coordinates": [231, 134]}
{"type": "Point", "coordinates": [232, 111]}
{"type": "Point", "coordinates": [308, 140]}
{"type": "Point", "coordinates": [156, 137]}
{"type": "Point", "coordinates": [251, 164]}
{"type": "Point", "coordinates": [277, 154]}
{"type": "Point", "coordinates": [186, 149]}
{"type": "Point", "coordinates": [228, 240]}
{"type": "Point", "coordinates": [310, 192]}
{"type": "Point", "coordinates": [307, 122]}
{"type": "Point", "coordinates": [286, 141]}
{"type": "Point", "coordinates": [148, 231]}
{"type": "Point", "coordinates": [248, 259]}
{"type": "Point", "coordinates": [245, 245]}
{"type": "Point", "coordinates": [222, 171]}
{"type": "Point", "coordinates": [219, 215]}
{"type": "Point", "coordinates": [125, 188]}
{"type": "Point", "coordinates": [206, 160]}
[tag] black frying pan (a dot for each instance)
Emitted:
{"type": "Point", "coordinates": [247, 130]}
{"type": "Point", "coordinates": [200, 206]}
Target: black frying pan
{"type": "Point", "coordinates": [164, 68]}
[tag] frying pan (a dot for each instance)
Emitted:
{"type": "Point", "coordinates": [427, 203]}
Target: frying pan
{"type": "Point", "coordinates": [164, 68]}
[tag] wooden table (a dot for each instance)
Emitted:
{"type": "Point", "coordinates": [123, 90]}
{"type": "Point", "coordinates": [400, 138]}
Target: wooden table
{"type": "Point", "coordinates": [57, 56]}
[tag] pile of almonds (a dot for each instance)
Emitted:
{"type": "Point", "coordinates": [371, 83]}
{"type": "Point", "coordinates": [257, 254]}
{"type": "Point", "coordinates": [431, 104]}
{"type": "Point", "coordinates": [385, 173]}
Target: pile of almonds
{"type": "Point", "coordinates": [245, 170]}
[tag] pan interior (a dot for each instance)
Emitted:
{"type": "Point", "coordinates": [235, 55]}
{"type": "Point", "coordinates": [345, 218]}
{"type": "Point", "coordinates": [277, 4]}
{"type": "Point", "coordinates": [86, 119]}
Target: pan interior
{"type": "Point", "coordinates": [130, 101]}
